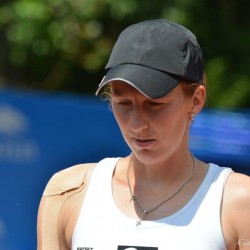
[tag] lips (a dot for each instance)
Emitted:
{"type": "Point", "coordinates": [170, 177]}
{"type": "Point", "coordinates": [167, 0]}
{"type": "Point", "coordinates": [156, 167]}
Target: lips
{"type": "Point", "coordinates": [143, 143]}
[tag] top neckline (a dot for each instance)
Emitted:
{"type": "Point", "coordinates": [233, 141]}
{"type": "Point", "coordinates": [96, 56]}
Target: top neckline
{"type": "Point", "coordinates": [203, 186]}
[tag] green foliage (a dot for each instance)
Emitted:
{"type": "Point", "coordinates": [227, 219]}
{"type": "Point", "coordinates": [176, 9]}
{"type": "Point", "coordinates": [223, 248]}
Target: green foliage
{"type": "Point", "coordinates": [65, 44]}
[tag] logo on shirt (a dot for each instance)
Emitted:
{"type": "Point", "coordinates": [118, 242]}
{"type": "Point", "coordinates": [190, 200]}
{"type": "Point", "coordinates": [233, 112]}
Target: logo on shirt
{"type": "Point", "coordinates": [136, 248]}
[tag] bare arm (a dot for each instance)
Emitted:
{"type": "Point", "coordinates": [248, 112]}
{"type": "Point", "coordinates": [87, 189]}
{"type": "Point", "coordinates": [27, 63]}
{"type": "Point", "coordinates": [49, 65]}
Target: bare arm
{"type": "Point", "coordinates": [236, 212]}
{"type": "Point", "coordinates": [47, 237]}
{"type": "Point", "coordinates": [61, 186]}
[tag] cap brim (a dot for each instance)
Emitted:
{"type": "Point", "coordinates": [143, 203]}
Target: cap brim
{"type": "Point", "coordinates": [151, 82]}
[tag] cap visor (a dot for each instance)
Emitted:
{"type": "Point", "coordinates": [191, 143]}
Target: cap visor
{"type": "Point", "coordinates": [151, 82]}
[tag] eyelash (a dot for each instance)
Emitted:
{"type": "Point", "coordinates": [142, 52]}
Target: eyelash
{"type": "Point", "coordinates": [155, 103]}
{"type": "Point", "coordinates": [149, 104]}
{"type": "Point", "coordinates": [124, 103]}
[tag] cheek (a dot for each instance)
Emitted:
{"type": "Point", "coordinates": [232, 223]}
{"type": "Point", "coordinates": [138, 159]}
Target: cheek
{"type": "Point", "coordinates": [120, 118]}
{"type": "Point", "coordinates": [174, 121]}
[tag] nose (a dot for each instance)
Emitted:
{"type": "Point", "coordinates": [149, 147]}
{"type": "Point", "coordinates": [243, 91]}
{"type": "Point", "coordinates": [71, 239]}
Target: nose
{"type": "Point", "coordinates": [138, 120]}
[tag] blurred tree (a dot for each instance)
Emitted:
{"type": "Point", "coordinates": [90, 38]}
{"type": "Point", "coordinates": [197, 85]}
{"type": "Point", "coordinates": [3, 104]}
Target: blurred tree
{"type": "Point", "coordinates": [64, 44]}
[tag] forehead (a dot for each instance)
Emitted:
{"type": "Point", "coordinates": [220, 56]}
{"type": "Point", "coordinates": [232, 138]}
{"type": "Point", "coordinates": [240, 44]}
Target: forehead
{"type": "Point", "coordinates": [122, 88]}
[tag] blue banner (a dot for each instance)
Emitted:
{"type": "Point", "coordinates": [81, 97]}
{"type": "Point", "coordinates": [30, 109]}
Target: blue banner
{"type": "Point", "coordinates": [41, 134]}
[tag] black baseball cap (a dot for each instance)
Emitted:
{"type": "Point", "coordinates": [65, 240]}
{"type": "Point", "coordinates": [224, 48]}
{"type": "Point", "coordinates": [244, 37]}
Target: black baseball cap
{"type": "Point", "coordinates": [154, 56]}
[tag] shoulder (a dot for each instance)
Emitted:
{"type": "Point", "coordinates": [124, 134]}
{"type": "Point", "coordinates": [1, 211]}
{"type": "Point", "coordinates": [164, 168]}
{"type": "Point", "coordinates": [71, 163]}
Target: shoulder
{"type": "Point", "coordinates": [237, 194]}
{"type": "Point", "coordinates": [68, 179]}
{"type": "Point", "coordinates": [238, 188]}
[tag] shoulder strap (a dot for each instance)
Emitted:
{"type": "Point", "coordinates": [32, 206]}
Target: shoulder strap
{"type": "Point", "coordinates": [60, 187]}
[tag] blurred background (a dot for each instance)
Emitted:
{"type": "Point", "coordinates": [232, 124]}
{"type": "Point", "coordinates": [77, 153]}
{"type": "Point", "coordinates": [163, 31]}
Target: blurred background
{"type": "Point", "coordinates": [52, 58]}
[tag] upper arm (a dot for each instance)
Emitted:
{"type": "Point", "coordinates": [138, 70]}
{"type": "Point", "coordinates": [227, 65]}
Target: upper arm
{"type": "Point", "coordinates": [47, 221]}
{"type": "Point", "coordinates": [242, 204]}
{"type": "Point", "coordinates": [236, 209]}
{"type": "Point", "coordinates": [61, 186]}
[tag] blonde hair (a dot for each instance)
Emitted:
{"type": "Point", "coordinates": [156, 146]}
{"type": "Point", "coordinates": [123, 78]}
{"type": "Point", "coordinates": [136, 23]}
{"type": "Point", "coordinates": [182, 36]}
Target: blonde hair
{"type": "Point", "coordinates": [106, 92]}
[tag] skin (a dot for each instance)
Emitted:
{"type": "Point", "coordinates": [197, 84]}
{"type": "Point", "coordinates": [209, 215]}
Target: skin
{"type": "Point", "coordinates": [156, 130]}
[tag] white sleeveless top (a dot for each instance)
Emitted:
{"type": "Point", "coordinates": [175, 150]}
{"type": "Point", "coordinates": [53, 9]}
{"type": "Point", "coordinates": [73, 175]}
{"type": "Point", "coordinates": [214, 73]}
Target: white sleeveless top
{"type": "Point", "coordinates": [196, 226]}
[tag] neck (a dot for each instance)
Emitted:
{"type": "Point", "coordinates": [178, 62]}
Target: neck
{"type": "Point", "coordinates": [171, 169]}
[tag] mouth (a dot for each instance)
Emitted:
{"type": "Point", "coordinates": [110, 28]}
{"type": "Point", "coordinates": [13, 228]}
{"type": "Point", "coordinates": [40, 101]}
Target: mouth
{"type": "Point", "coordinates": [143, 143]}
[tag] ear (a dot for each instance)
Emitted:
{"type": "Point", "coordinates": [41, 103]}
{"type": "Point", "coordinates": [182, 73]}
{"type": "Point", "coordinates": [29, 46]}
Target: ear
{"type": "Point", "coordinates": [198, 100]}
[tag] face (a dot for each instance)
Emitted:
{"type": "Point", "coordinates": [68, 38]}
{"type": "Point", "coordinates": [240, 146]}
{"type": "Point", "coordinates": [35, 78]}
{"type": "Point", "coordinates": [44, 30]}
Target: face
{"type": "Point", "coordinates": [154, 129]}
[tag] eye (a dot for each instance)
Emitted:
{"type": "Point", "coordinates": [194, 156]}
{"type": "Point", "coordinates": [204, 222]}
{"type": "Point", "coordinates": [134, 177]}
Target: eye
{"type": "Point", "coordinates": [155, 104]}
{"type": "Point", "coordinates": [124, 103]}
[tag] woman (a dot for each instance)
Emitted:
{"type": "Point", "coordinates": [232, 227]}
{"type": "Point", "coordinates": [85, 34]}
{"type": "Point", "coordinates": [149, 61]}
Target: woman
{"type": "Point", "coordinates": [161, 196]}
